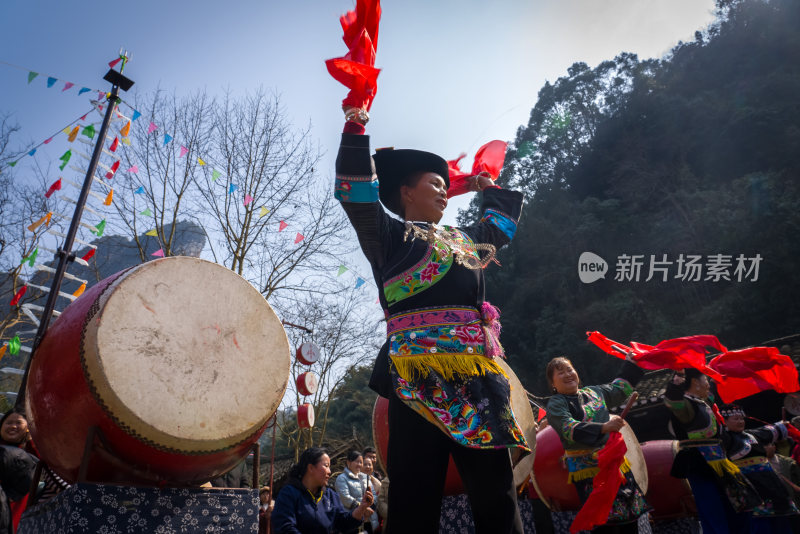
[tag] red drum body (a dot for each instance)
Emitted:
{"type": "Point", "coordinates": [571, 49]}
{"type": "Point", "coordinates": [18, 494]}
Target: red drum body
{"type": "Point", "coordinates": [178, 363]}
{"type": "Point", "coordinates": [551, 475]}
{"type": "Point", "coordinates": [670, 497]}
{"type": "Point", "coordinates": [522, 465]}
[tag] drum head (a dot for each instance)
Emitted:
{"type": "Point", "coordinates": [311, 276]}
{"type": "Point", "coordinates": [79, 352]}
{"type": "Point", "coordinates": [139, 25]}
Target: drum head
{"type": "Point", "coordinates": [635, 457]}
{"type": "Point", "coordinates": [186, 355]}
{"type": "Point", "coordinates": [522, 463]}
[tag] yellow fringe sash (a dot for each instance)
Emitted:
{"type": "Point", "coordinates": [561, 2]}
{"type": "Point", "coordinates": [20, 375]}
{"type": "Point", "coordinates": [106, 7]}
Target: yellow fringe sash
{"type": "Point", "coordinates": [446, 365]}
{"type": "Point", "coordinates": [723, 466]}
{"type": "Point", "coordinates": [591, 472]}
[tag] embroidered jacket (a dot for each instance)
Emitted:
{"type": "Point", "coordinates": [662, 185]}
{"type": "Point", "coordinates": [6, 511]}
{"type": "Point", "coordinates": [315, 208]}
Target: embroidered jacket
{"type": "Point", "coordinates": [432, 292]}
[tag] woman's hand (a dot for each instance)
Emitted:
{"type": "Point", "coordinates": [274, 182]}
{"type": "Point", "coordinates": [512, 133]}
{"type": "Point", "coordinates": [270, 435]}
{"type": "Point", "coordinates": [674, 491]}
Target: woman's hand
{"type": "Point", "coordinates": [363, 511]}
{"type": "Point", "coordinates": [480, 181]}
{"type": "Point", "coordinates": [678, 379]}
{"type": "Point", "coordinates": [613, 425]}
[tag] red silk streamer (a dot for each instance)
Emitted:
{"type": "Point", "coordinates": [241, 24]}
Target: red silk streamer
{"type": "Point", "coordinates": [356, 70]}
{"type": "Point", "coordinates": [750, 371]}
{"type": "Point", "coordinates": [489, 159]}
{"type": "Point", "coordinates": [793, 432]}
{"type": "Point", "coordinates": [18, 296]}
{"type": "Point", "coordinates": [676, 354]}
{"type": "Point", "coordinates": [605, 485]}
{"type": "Point", "coordinates": [53, 188]}
{"type": "Point", "coordinates": [717, 415]}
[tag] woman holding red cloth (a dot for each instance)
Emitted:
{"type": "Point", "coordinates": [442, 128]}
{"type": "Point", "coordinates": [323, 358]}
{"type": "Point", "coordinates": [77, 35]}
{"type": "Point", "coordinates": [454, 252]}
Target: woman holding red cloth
{"type": "Point", "coordinates": [580, 417]}
{"type": "Point", "coordinates": [447, 395]}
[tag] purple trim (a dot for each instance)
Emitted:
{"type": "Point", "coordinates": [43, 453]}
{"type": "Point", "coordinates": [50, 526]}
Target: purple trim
{"type": "Point", "coordinates": [431, 317]}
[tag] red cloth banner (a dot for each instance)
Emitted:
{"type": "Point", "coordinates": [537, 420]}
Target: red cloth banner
{"type": "Point", "coordinates": [489, 159]}
{"type": "Point", "coordinates": [604, 486]}
{"type": "Point", "coordinates": [750, 371]}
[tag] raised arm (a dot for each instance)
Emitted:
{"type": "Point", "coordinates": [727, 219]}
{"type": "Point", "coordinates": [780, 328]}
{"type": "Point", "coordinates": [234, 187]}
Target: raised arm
{"type": "Point", "coordinates": [500, 212]}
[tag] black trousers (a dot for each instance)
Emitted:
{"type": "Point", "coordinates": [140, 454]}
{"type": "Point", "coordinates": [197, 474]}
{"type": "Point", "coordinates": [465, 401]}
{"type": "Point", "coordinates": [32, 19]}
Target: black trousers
{"type": "Point", "coordinates": [417, 464]}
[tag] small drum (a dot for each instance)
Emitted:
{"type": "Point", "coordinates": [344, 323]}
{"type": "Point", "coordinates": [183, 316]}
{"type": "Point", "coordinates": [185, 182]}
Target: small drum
{"type": "Point", "coordinates": [178, 362]}
{"type": "Point", "coordinates": [670, 497]}
{"type": "Point", "coordinates": [522, 463]}
{"type": "Point", "coordinates": [550, 473]}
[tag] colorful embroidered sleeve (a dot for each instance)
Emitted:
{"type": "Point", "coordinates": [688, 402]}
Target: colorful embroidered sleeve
{"type": "Point", "coordinates": [769, 433]}
{"type": "Point", "coordinates": [357, 189]}
{"type": "Point", "coordinates": [618, 391]}
{"type": "Point", "coordinates": [500, 210]}
{"type": "Point", "coordinates": [675, 402]}
{"type": "Point", "coordinates": [572, 432]}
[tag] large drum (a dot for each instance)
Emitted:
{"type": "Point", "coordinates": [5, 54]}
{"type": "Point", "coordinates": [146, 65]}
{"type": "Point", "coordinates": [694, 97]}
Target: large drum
{"type": "Point", "coordinates": [522, 463]}
{"type": "Point", "coordinates": [670, 497]}
{"type": "Point", "coordinates": [550, 472]}
{"type": "Point", "coordinates": [178, 363]}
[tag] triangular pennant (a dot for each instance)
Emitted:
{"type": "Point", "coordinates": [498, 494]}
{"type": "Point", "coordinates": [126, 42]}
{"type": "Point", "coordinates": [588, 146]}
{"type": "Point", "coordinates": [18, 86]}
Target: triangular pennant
{"type": "Point", "coordinates": [139, 190]}
{"type": "Point", "coordinates": [47, 141]}
{"type": "Point", "coordinates": [114, 145]}
{"type": "Point", "coordinates": [78, 292]}
{"type": "Point", "coordinates": [51, 81]}
{"type": "Point", "coordinates": [152, 233]}
{"type": "Point", "coordinates": [282, 226]}
{"type": "Point", "coordinates": [65, 159]}
{"type": "Point", "coordinates": [126, 141]}
{"type": "Point", "coordinates": [184, 151]}
{"type": "Point", "coordinates": [53, 188]}
{"type": "Point", "coordinates": [83, 90]}
{"type": "Point", "coordinates": [342, 270]}
{"type": "Point", "coordinates": [215, 174]}
{"type": "Point", "coordinates": [73, 134]}
{"type": "Point", "coordinates": [88, 255]}
{"type": "Point", "coordinates": [86, 114]}
{"type": "Point", "coordinates": [30, 258]}
{"type": "Point", "coordinates": [299, 237]}
{"type": "Point", "coordinates": [158, 253]}
{"type": "Point", "coordinates": [88, 131]}
{"type": "Point", "coordinates": [3, 351]}
{"type": "Point", "coordinates": [232, 188]}
{"type": "Point", "coordinates": [13, 163]}
{"type": "Point", "coordinates": [200, 161]}
{"type": "Point", "coordinates": [32, 75]}
{"type": "Point", "coordinates": [13, 345]}
{"type": "Point", "coordinates": [114, 167]}
{"type": "Point", "coordinates": [263, 212]}
{"type": "Point", "coordinates": [43, 220]}
{"type": "Point", "coordinates": [18, 295]}
{"type": "Point", "coordinates": [32, 152]}
{"type": "Point", "coordinates": [109, 198]}
{"type": "Point", "coordinates": [67, 85]}
{"type": "Point", "coordinates": [126, 130]}
{"type": "Point", "coordinates": [136, 115]}
{"type": "Point", "coordinates": [360, 282]}
{"type": "Point", "coordinates": [247, 199]}
{"type": "Point", "coordinates": [167, 138]}
{"type": "Point", "coordinates": [146, 212]}
{"type": "Point", "coordinates": [152, 128]}
{"type": "Point", "coordinates": [100, 228]}
{"type": "Point", "coordinates": [113, 63]}
{"type": "Point", "coordinates": [133, 169]}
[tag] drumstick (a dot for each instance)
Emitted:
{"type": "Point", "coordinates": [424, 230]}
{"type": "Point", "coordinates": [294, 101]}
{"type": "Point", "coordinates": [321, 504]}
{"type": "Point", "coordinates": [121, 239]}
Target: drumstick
{"type": "Point", "coordinates": [628, 405]}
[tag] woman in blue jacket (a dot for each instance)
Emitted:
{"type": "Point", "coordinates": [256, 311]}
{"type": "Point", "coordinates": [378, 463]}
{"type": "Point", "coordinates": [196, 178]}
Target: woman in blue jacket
{"type": "Point", "coordinates": [306, 505]}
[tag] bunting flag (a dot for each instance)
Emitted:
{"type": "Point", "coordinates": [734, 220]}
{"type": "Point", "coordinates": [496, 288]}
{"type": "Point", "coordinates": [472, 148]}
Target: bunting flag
{"type": "Point", "coordinates": [158, 253]}
{"type": "Point", "coordinates": [299, 237]}
{"type": "Point", "coordinates": [44, 220]}
{"type": "Point", "coordinates": [214, 174]}
{"type": "Point", "coordinates": [88, 131]}
{"type": "Point", "coordinates": [13, 163]}
{"type": "Point", "coordinates": [342, 270]}
{"type": "Point", "coordinates": [200, 161]}
{"type": "Point", "coordinates": [73, 134]}
{"type": "Point", "coordinates": [78, 292]}
{"type": "Point", "coordinates": [282, 226]}
{"type": "Point", "coordinates": [65, 159]}
{"type": "Point", "coordinates": [53, 188]}
{"type": "Point", "coordinates": [3, 351]}
{"type": "Point", "coordinates": [32, 152]}
{"type": "Point", "coordinates": [47, 141]}
{"type": "Point", "coordinates": [139, 190]}
{"type": "Point", "coordinates": [167, 139]}
{"type": "Point", "coordinates": [232, 188]}
{"type": "Point", "coordinates": [67, 85]}
{"type": "Point", "coordinates": [247, 199]}
{"type": "Point", "coordinates": [134, 170]}
{"type": "Point", "coordinates": [126, 141]}
{"type": "Point", "coordinates": [360, 282]}
{"type": "Point", "coordinates": [114, 167]}
{"type": "Point", "coordinates": [152, 128]}
{"type": "Point", "coordinates": [749, 371]}
{"type": "Point", "coordinates": [32, 75]}
{"type": "Point", "coordinates": [126, 130]}
{"type": "Point", "coordinates": [184, 151]}
{"type": "Point", "coordinates": [109, 198]}
{"type": "Point", "coordinates": [14, 344]}
{"type": "Point", "coordinates": [51, 81]}
{"type": "Point", "coordinates": [113, 63]}
{"type": "Point", "coordinates": [88, 255]}
{"type": "Point", "coordinates": [136, 115]}
{"type": "Point", "coordinates": [18, 295]}
{"type": "Point", "coordinates": [152, 233]}
{"type": "Point", "coordinates": [83, 90]}
{"type": "Point", "coordinates": [100, 228]}
{"type": "Point", "coordinates": [263, 212]}
{"type": "Point", "coordinates": [114, 145]}
{"type": "Point", "coordinates": [30, 258]}
{"type": "Point", "coordinates": [146, 212]}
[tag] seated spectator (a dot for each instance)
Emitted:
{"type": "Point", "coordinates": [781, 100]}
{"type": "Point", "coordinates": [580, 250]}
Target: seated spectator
{"type": "Point", "coordinates": [306, 505]}
{"type": "Point", "coordinates": [351, 485]}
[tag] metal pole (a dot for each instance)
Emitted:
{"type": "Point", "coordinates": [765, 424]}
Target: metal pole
{"type": "Point", "coordinates": [65, 252]}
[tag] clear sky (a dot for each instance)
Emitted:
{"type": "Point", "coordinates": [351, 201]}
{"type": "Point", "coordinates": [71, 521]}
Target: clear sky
{"type": "Point", "coordinates": [456, 73]}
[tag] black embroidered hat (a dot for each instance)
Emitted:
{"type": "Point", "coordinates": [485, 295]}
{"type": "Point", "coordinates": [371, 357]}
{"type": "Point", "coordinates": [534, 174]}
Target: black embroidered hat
{"type": "Point", "coordinates": [393, 166]}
